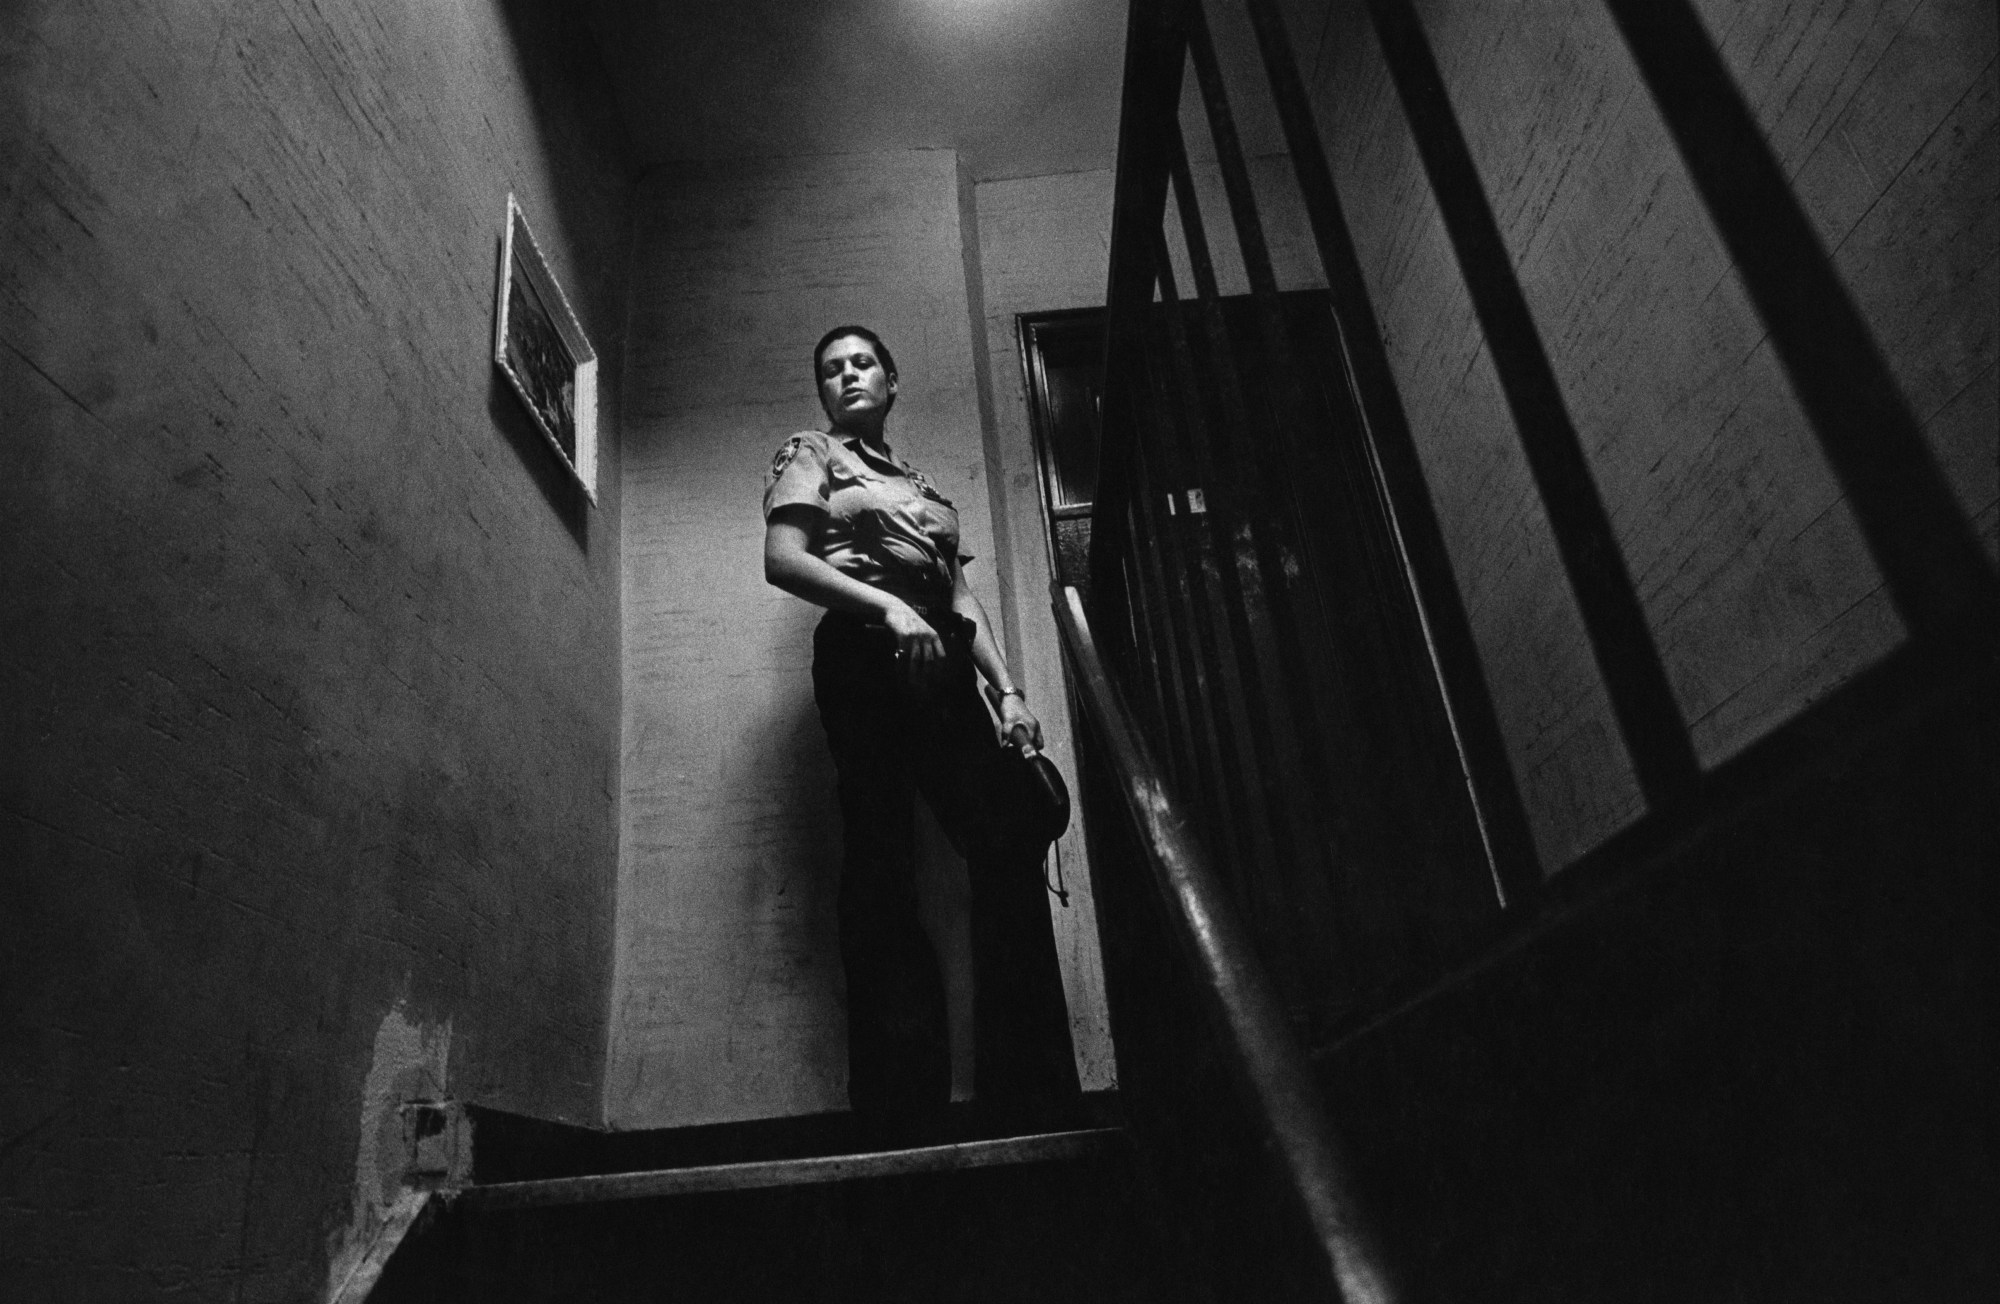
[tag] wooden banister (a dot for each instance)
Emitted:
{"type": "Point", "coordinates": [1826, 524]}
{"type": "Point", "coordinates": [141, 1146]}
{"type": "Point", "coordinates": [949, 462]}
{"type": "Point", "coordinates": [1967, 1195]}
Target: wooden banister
{"type": "Point", "coordinates": [1268, 1063]}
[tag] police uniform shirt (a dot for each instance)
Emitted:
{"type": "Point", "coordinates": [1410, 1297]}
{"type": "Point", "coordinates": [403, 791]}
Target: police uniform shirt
{"type": "Point", "coordinates": [884, 523]}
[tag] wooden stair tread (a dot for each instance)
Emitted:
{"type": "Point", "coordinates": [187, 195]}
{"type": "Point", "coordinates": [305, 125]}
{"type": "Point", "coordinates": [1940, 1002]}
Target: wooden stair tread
{"type": "Point", "coordinates": [1044, 1147]}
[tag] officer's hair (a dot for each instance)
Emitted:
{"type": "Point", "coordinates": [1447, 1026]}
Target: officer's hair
{"type": "Point", "coordinates": [887, 358]}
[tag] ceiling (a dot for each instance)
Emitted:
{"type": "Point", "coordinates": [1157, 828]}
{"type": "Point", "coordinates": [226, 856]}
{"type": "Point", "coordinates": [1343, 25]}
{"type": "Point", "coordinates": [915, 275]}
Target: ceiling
{"type": "Point", "coordinates": [1018, 87]}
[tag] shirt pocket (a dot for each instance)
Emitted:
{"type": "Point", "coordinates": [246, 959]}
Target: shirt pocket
{"type": "Point", "coordinates": [844, 472]}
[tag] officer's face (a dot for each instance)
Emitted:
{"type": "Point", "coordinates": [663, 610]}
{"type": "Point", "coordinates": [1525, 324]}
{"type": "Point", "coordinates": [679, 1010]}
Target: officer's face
{"type": "Point", "coordinates": [852, 384]}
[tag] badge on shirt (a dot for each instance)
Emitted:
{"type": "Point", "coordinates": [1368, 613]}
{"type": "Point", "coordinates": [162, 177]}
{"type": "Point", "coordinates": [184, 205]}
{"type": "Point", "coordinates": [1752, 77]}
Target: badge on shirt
{"type": "Point", "coordinates": [924, 485]}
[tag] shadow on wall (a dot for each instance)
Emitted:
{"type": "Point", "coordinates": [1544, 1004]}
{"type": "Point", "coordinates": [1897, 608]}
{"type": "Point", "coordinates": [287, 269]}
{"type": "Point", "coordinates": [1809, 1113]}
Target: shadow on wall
{"type": "Point", "coordinates": [560, 48]}
{"type": "Point", "coordinates": [584, 121]}
{"type": "Point", "coordinates": [560, 490]}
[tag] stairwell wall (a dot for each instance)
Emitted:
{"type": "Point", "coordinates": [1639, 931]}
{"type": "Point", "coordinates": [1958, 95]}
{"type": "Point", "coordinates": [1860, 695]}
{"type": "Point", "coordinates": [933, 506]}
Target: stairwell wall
{"type": "Point", "coordinates": [308, 649]}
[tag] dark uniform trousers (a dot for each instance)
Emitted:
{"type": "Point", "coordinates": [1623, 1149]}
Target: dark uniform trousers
{"type": "Point", "coordinates": [889, 738]}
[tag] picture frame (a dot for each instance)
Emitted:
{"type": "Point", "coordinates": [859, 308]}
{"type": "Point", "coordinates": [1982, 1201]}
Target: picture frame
{"type": "Point", "coordinates": [540, 347]}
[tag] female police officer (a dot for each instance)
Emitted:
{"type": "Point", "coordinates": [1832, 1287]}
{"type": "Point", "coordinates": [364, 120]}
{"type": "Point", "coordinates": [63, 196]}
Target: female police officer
{"type": "Point", "coordinates": [855, 529]}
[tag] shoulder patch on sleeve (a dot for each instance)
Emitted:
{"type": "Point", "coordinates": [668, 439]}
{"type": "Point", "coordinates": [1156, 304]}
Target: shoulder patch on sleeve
{"type": "Point", "coordinates": [785, 454]}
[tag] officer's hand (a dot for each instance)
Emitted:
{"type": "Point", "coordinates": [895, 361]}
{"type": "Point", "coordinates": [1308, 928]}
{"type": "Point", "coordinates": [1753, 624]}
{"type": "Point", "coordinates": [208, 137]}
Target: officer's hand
{"type": "Point", "coordinates": [918, 646]}
{"type": "Point", "coordinates": [1015, 716]}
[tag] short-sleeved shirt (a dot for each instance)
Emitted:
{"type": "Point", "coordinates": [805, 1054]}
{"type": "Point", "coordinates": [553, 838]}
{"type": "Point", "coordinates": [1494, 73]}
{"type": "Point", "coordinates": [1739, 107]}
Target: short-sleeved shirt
{"type": "Point", "coordinates": [885, 524]}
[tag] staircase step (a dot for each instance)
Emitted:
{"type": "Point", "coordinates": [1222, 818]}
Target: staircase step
{"type": "Point", "coordinates": [1045, 1147]}
{"type": "Point", "coordinates": [1057, 1217]}
{"type": "Point", "coordinates": [509, 1147]}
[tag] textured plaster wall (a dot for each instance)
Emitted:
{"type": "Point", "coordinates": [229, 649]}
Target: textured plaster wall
{"type": "Point", "coordinates": [308, 653]}
{"type": "Point", "coordinates": [727, 1000]}
{"type": "Point", "coordinates": [1750, 568]}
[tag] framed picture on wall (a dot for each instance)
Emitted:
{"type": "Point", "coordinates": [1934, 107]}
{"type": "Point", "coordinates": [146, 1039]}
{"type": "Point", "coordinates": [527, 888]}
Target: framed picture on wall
{"type": "Point", "coordinates": [541, 349]}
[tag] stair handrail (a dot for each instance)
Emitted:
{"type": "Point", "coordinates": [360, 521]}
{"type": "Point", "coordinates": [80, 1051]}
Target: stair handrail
{"type": "Point", "coordinates": [1269, 1064]}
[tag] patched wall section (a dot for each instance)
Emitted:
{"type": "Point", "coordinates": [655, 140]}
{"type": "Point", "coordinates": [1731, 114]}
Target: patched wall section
{"type": "Point", "coordinates": [308, 652]}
